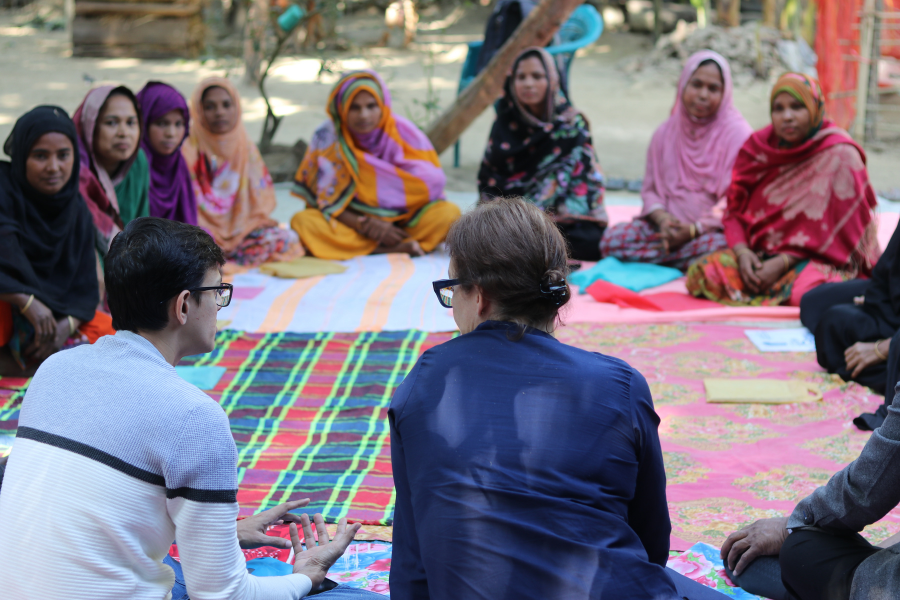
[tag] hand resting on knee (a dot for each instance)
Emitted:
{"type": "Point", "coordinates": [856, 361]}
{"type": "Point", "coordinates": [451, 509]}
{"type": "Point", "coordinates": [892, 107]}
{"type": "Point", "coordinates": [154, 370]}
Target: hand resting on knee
{"type": "Point", "coordinates": [762, 538]}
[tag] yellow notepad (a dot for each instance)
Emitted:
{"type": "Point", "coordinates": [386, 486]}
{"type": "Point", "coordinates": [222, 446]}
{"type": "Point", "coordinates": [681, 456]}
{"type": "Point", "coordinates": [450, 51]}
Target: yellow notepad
{"type": "Point", "coordinates": [305, 266]}
{"type": "Point", "coordinates": [760, 391]}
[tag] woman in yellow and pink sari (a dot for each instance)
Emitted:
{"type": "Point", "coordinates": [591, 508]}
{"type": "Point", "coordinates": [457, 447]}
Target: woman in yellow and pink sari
{"type": "Point", "coordinates": [371, 180]}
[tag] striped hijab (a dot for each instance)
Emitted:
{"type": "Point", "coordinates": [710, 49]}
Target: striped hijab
{"type": "Point", "coordinates": [391, 172]}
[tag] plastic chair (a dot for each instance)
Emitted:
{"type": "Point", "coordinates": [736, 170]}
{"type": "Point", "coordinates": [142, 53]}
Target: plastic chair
{"type": "Point", "coordinates": [584, 27]}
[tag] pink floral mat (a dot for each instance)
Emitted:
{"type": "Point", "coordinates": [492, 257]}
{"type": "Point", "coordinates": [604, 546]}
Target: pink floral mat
{"type": "Point", "coordinates": [728, 465]}
{"type": "Point", "coordinates": [702, 564]}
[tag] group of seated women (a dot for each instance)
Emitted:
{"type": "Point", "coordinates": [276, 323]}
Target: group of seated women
{"type": "Point", "coordinates": [371, 179]}
{"type": "Point", "coordinates": [758, 218]}
{"type": "Point", "coordinates": [754, 218]}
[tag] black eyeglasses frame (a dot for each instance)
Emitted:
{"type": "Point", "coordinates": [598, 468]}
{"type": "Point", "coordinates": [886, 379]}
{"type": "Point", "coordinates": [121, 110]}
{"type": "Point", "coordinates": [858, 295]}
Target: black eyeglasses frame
{"type": "Point", "coordinates": [441, 284]}
{"type": "Point", "coordinates": [223, 286]}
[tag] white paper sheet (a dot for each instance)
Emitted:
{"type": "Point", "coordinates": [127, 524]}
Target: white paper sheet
{"type": "Point", "coordinates": [795, 339]}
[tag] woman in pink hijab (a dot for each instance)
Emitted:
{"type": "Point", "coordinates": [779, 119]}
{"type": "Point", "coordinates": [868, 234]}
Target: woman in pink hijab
{"type": "Point", "coordinates": [688, 172]}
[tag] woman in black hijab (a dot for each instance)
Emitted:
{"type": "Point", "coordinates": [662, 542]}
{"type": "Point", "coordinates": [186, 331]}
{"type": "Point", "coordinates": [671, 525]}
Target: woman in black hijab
{"type": "Point", "coordinates": [857, 329]}
{"type": "Point", "coordinates": [48, 272]}
{"type": "Point", "coordinates": [540, 149]}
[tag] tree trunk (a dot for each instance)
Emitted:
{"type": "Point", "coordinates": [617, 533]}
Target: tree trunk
{"type": "Point", "coordinates": [536, 30]}
{"type": "Point", "coordinates": [729, 12]}
{"type": "Point", "coordinates": [255, 39]}
{"type": "Point", "coordinates": [769, 13]}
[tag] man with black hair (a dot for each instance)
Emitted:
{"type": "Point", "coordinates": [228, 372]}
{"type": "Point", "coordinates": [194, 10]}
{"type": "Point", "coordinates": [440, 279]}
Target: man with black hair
{"type": "Point", "coordinates": [117, 456]}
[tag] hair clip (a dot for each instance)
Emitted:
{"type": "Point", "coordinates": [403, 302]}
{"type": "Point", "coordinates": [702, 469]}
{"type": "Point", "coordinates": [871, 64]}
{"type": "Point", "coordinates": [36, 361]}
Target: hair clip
{"type": "Point", "coordinates": [556, 294]}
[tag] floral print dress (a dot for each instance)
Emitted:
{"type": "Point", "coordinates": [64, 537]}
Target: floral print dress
{"type": "Point", "coordinates": [549, 161]}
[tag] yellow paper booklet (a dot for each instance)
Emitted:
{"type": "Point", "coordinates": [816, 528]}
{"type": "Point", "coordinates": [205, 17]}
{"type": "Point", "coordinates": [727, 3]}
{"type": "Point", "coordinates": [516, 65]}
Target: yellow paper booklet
{"type": "Point", "coordinates": [305, 266]}
{"type": "Point", "coordinates": [760, 391]}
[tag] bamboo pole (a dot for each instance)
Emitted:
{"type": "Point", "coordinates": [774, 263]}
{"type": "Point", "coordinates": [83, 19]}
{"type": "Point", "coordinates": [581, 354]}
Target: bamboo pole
{"type": "Point", "coordinates": [872, 98]}
{"type": "Point", "coordinates": [862, 78]}
{"type": "Point", "coordinates": [536, 30]}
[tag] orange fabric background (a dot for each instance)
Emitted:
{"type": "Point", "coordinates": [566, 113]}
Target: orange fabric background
{"type": "Point", "coordinates": [835, 22]}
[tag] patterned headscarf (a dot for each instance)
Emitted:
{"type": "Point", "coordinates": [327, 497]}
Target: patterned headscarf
{"type": "Point", "coordinates": [390, 172]}
{"type": "Point", "coordinates": [808, 91]}
{"type": "Point", "coordinates": [97, 188]}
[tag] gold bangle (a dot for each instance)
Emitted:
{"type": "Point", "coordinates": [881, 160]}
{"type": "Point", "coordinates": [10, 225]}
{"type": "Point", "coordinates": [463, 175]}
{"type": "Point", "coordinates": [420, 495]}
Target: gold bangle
{"type": "Point", "coordinates": [878, 352]}
{"type": "Point", "coordinates": [72, 328]}
{"type": "Point", "coordinates": [787, 263]}
{"type": "Point", "coordinates": [693, 231]}
{"type": "Point", "coordinates": [27, 304]}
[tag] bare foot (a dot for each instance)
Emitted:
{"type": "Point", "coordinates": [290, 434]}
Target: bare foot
{"type": "Point", "coordinates": [410, 247]}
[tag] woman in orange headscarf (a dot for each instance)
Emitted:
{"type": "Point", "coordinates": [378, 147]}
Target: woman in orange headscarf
{"type": "Point", "coordinates": [371, 180]}
{"type": "Point", "coordinates": [799, 210]}
{"type": "Point", "coordinates": [234, 191]}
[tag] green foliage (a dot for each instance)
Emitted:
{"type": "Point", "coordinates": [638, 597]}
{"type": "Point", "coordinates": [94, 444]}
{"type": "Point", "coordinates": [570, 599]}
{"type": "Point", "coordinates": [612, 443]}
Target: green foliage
{"type": "Point", "coordinates": [430, 107]}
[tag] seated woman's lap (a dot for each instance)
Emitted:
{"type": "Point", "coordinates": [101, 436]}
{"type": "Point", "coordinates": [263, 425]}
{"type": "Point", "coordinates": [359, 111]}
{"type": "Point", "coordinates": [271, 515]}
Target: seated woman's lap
{"type": "Point", "coordinates": [583, 239]}
{"type": "Point", "coordinates": [100, 325]}
{"type": "Point", "coordinates": [335, 241]}
{"type": "Point", "coordinates": [637, 241]}
{"type": "Point", "coordinates": [717, 277]}
{"type": "Point", "coordinates": [631, 241]}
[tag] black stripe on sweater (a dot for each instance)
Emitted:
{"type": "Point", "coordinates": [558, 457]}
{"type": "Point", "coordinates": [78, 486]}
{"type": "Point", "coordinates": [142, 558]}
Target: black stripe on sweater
{"type": "Point", "coordinates": [90, 452]}
{"type": "Point", "coordinates": [207, 496]}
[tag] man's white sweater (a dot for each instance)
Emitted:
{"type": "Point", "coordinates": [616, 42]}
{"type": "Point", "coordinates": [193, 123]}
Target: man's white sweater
{"type": "Point", "coordinates": [116, 456]}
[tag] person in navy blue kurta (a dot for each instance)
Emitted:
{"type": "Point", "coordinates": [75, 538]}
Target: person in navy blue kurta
{"type": "Point", "coordinates": [526, 469]}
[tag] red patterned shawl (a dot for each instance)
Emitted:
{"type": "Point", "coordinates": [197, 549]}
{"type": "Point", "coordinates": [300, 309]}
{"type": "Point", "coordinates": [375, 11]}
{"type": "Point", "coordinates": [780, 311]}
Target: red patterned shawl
{"type": "Point", "coordinates": [813, 201]}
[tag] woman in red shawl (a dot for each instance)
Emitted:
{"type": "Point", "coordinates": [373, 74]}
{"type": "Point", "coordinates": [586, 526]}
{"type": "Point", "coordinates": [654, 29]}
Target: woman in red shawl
{"type": "Point", "coordinates": [799, 210]}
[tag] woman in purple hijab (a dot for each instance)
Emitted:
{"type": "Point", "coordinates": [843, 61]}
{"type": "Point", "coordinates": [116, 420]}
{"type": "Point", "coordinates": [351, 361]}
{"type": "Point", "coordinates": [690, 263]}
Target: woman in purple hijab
{"type": "Point", "coordinates": [167, 119]}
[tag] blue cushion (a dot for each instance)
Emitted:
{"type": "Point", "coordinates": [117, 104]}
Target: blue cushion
{"type": "Point", "coordinates": [632, 276]}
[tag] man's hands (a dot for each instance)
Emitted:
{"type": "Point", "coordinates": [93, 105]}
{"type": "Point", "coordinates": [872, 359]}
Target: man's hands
{"type": "Point", "coordinates": [763, 538]}
{"type": "Point", "coordinates": [862, 355]}
{"type": "Point", "coordinates": [251, 531]}
{"type": "Point", "coordinates": [315, 561]}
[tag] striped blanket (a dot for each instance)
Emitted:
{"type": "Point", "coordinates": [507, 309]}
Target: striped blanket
{"type": "Point", "coordinates": [309, 416]}
{"type": "Point", "coordinates": [389, 292]}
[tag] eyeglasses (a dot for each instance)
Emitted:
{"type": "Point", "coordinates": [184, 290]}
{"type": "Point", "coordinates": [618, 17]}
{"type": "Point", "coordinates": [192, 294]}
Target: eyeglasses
{"type": "Point", "coordinates": [223, 293]}
{"type": "Point", "coordinates": [443, 289]}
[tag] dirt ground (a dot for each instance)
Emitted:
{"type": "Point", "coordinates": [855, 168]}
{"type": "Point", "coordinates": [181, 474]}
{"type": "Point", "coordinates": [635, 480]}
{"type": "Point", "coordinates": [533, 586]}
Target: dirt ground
{"type": "Point", "coordinates": [36, 67]}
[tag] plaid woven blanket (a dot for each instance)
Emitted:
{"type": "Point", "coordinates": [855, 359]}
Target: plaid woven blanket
{"type": "Point", "coordinates": [308, 412]}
